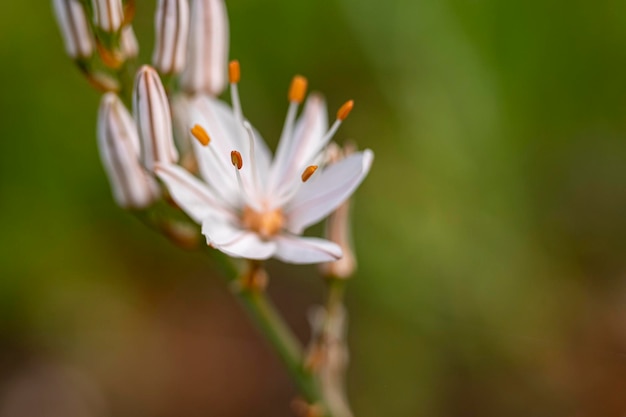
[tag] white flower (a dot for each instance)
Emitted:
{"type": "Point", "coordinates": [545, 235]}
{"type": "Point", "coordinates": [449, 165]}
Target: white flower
{"type": "Point", "coordinates": [108, 15]}
{"type": "Point", "coordinates": [251, 206]}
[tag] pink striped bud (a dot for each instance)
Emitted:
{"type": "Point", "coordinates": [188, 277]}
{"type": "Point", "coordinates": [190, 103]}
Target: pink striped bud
{"type": "Point", "coordinates": [119, 150]}
{"type": "Point", "coordinates": [207, 52]}
{"type": "Point", "coordinates": [72, 20]}
{"type": "Point", "coordinates": [108, 15]}
{"type": "Point", "coordinates": [171, 29]}
{"type": "Point", "coordinates": [154, 121]}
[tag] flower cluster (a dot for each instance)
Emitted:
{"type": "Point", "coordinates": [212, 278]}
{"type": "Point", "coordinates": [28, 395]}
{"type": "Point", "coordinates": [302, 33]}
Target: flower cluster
{"type": "Point", "coordinates": [219, 169]}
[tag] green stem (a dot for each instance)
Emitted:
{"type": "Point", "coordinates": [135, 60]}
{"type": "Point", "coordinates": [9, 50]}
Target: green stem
{"type": "Point", "coordinates": [282, 339]}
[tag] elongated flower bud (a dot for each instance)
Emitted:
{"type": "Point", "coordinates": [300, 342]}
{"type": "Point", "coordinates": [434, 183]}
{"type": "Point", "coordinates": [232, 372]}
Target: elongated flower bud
{"type": "Point", "coordinates": [119, 150]}
{"type": "Point", "coordinates": [171, 29]}
{"type": "Point", "coordinates": [128, 43]}
{"type": "Point", "coordinates": [205, 71]}
{"type": "Point", "coordinates": [71, 17]}
{"type": "Point", "coordinates": [338, 225]}
{"type": "Point", "coordinates": [154, 121]}
{"type": "Point", "coordinates": [108, 15]}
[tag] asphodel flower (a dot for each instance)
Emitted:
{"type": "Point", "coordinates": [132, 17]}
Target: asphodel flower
{"type": "Point", "coordinates": [129, 45]}
{"type": "Point", "coordinates": [77, 37]}
{"type": "Point", "coordinates": [154, 121]}
{"type": "Point", "coordinates": [171, 25]}
{"type": "Point", "coordinates": [118, 143]}
{"type": "Point", "coordinates": [255, 207]}
{"type": "Point", "coordinates": [108, 15]}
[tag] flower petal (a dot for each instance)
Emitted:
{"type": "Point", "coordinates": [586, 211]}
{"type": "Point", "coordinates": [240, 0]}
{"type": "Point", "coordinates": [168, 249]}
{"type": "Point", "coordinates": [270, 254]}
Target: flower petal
{"type": "Point", "coordinates": [295, 155]}
{"type": "Point", "coordinates": [195, 198]}
{"type": "Point", "coordinates": [234, 241]}
{"type": "Point", "coordinates": [306, 250]}
{"type": "Point", "coordinates": [320, 196]}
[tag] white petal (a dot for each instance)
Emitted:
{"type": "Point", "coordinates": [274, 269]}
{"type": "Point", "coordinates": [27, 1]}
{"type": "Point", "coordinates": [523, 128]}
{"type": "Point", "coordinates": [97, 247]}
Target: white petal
{"type": "Point", "coordinates": [205, 71]}
{"type": "Point", "coordinates": [236, 242]}
{"type": "Point", "coordinates": [191, 194]}
{"type": "Point", "coordinates": [306, 250]}
{"type": "Point", "coordinates": [299, 150]}
{"type": "Point", "coordinates": [171, 24]}
{"type": "Point", "coordinates": [321, 195]}
{"type": "Point", "coordinates": [226, 135]}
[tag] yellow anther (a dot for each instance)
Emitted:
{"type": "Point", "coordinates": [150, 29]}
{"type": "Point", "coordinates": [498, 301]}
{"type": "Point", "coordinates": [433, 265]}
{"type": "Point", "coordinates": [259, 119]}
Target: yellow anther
{"type": "Point", "coordinates": [234, 72]}
{"type": "Point", "coordinates": [345, 110]}
{"type": "Point", "coordinates": [308, 172]}
{"type": "Point", "coordinates": [199, 133]}
{"type": "Point", "coordinates": [236, 159]}
{"type": "Point", "coordinates": [297, 90]}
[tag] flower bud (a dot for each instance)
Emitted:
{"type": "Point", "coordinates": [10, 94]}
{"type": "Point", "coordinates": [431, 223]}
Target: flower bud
{"type": "Point", "coordinates": [108, 15]}
{"type": "Point", "coordinates": [205, 70]}
{"type": "Point", "coordinates": [154, 121]}
{"type": "Point", "coordinates": [71, 17]}
{"type": "Point", "coordinates": [119, 151]}
{"type": "Point", "coordinates": [128, 43]}
{"type": "Point", "coordinates": [338, 225]}
{"type": "Point", "coordinates": [171, 30]}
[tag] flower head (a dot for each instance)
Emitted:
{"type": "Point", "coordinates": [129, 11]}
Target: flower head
{"type": "Point", "coordinates": [254, 206]}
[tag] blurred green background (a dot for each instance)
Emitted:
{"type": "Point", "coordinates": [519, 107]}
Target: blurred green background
{"type": "Point", "coordinates": [491, 232]}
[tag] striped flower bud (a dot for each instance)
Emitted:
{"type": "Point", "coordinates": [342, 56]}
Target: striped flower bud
{"type": "Point", "coordinates": [71, 17]}
{"type": "Point", "coordinates": [205, 70]}
{"type": "Point", "coordinates": [128, 43]}
{"type": "Point", "coordinates": [108, 15]}
{"type": "Point", "coordinates": [119, 150]}
{"type": "Point", "coordinates": [154, 121]}
{"type": "Point", "coordinates": [338, 228]}
{"type": "Point", "coordinates": [171, 30]}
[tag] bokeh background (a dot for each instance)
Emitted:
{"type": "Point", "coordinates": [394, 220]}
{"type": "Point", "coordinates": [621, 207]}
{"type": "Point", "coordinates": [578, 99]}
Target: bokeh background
{"type": "Point", "coordinates": [491, 232]}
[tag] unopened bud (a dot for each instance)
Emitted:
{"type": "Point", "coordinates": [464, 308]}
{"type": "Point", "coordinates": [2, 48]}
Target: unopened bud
{"type": "Point", "coordinates": [108, 15]}
{"type": "Point", "coordinates": [171, 29]}
{"type": "Point", "coordinates": [72, 19]}
{"type": "Point", "coordinates": [119, 150]}
{"type": "Point", "coordinates": [154, 122]}
{"type": "Point", "coordinates": [338, 228]}
{"type": "Point", "coordinates": [207, 56]}
{"type": "Point", "coordinates": [128, 43]}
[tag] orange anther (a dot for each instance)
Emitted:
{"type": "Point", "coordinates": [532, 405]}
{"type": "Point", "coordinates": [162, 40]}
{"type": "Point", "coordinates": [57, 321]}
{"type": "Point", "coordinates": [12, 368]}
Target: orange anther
{"type": "Point", "coordinates": [199, 133]}
{"type": "Point", "coordinates": [308, 172]}
{"type": "Point", "coordinates": [234, 72]}
{"type": "Point", "coordinates": [236, 159]}
{"type": "Point", "coordinates": [297, 90]}
{"type": "Point", "coordinates": [345, 110]}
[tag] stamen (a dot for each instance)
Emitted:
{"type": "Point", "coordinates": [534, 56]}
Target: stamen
{"type": "Point", "coordinates": [201, 135]}
{"type": "Point", "coordinates": [345, 110]}
{"type": "Point", "coordinates": [310, 170]}
{"type": "Point", "coordinates": [236, 159]}
{"type": "Point", "coordinates": [234, 72]}
{"type": "Point", "coordinates": [248, 128]}
{"type": "Point", "coordinates": [297, 90]}
{"type": "Point", "coordinates": [234, 75]}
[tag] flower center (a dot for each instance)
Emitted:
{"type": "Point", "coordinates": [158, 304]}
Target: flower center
{"type": "Point", "coordinates": [266, 224]}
